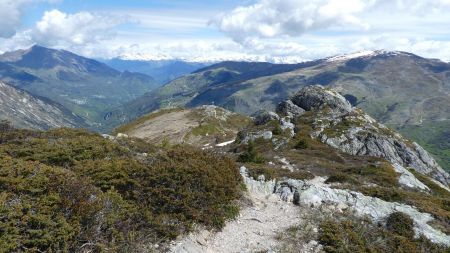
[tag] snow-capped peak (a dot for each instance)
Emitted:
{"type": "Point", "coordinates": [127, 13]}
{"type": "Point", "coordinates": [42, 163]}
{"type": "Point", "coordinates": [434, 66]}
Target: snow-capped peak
{"type": "Point", "coordinates": [361, 54]}
{"type": "Point", "coordinates": [213, 58]}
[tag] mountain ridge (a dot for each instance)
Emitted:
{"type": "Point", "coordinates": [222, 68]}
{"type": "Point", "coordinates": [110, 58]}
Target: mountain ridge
{"type": "Point", "coordinates": [84, 86]}
{"type": "Point", "coordinates": [400, 89]}
{"type": "Point", "coordinates": [25, 110]}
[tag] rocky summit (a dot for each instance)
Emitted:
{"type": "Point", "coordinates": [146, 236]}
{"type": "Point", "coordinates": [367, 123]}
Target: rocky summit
{"type": "Point", "coordinates": [352, 131]}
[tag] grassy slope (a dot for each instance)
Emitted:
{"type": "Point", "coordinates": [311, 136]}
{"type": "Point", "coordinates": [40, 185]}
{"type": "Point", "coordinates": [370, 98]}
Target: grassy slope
{"type": "Point", "coordinates": [197, 126]}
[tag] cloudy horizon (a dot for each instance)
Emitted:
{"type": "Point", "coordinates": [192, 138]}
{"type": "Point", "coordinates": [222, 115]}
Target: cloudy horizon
{"type": "Point", "coordinates": [202, 30]}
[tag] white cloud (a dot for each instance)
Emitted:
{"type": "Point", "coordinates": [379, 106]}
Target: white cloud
{"type": "Point", "coordinates": [57, 28]}
{"type": "Point", "coordinates": [275, 18]}
{"type": "Point", "coordinates": [275, 31]}
{"type": "Point", "coordinates": [271, 18]}
{"type": "Point", "coordinates": [10, 14]}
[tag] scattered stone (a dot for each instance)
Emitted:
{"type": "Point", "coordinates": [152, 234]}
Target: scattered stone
{"type": "Point", "coordinates": [266, 135]}
{"type": "Point", "coordinates": [122, 136]}
{"type": "Point", "coordinates": [289, 109]}
{"type": "Point", "coordinates": [109, 137]}
{"type": "Point", "coordinates": [263, 117]}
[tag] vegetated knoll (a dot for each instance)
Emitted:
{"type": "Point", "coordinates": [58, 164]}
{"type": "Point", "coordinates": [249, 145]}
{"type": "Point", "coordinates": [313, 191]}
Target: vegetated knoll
{"type": "Point", "coordinates": [399, 89]}
{"type": "Point", "coordinates": [73, 191]}
{"type": "Point", "coordinates": [82, 85]}
{"type": "Point", "coordinates": [204, 126]}
{"type": "Point", "coordinates": [25, 110]}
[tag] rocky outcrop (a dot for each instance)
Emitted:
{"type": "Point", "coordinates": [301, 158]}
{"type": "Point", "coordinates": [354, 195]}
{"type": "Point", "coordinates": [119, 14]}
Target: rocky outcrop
{"type": "Point", "coordinates": [406, 178]}
{"type": "Point", "coordinates": [352, 131]}
{"type": "Point", "coordinates": [315, 193]}
{"type": "Point", "coordinates": [264, 117]}
{"type": "Point", "coordinates": [288, 108]}
{"type": "Point", "coordinates": [316, 97]}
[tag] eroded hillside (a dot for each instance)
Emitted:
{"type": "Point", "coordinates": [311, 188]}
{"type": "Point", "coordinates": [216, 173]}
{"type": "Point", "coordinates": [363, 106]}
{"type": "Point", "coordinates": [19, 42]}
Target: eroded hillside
{"type": "Point", "coordinates": [27, 111]}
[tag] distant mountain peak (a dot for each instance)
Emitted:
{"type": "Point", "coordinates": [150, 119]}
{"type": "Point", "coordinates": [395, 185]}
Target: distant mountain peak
{"type": "Point", "coordinates": [364, 54]}
{"type": "Point", "coordinates": [39, 57]}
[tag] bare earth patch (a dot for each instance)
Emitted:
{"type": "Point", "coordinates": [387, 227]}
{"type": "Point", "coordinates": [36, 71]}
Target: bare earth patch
{"type": "Point", "coordinates": [174, 124]}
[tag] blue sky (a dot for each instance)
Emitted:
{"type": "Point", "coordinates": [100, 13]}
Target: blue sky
{"type": "Point", "coordinates": [201, 30]}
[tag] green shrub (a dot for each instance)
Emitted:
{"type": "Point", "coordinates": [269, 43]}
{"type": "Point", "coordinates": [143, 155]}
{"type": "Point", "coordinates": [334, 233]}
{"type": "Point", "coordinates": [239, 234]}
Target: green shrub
{"type": "Point", "coordinates": [277, 129]}
{"type": "Point", "coordinates": [301, 144]}
{"type": "Point", "coordinates": [339, 177]}
{"type": "Point", "coordinates": [400, 224]}
{"type": "Point", "coordinates": [70, 190]}
{"type": "Point", "coordinates": [382, 174]}
{"type": "Point", "coordinates": [250, 155]}
{"type": "Point", "coordinates": [341, 237]}
{"type": "Point", "coordinates": [351, 234]}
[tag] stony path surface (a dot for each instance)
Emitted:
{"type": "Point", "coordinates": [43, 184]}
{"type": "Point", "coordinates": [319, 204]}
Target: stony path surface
{"type": "Point", "coordinates": [254, 230]}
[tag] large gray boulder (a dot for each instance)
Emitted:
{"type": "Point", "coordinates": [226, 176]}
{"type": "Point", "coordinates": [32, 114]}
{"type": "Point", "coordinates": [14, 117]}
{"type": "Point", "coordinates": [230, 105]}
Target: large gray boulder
{"type": "Point", "coordinates": [288, 108]}
{"type": "Point", "coordinates": [263, 117]}
{"type": "Point", "coordinates": [317, 97]}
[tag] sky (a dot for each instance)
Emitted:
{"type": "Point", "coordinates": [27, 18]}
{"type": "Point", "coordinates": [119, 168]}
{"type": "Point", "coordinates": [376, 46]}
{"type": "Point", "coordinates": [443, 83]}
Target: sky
{"type": "Point", "coordinates": [213, 30]}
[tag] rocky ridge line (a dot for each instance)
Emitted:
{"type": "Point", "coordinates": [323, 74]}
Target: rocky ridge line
{"type": "Point", "coordinates": [352, 131]}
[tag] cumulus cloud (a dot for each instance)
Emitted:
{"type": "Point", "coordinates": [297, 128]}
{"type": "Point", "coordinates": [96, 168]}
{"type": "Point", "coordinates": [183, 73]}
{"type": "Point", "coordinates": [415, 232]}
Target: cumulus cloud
{"type": "Point", "coordinates": [274, 18]}
{"type": "Point", "coordinates": [10, 12]}
{"type": "Point", "coordinates": [57, 28]}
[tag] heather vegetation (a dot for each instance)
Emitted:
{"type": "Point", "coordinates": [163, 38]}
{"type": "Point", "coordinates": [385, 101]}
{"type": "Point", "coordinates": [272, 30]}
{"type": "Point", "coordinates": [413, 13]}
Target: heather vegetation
{"type": "Point", "coordinates": [70, 190]}
{"type": "Point", "coordinates": [347, 233]}
{"type": "Point", "coordinates": [360, 235]}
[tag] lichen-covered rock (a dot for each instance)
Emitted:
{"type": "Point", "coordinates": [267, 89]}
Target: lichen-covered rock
{"type": "Point", "coordinates": [266, 135]}
{"type": "Point", "coordinates": [407, 179]}
{"type": "Point", "coordinates": [317, 97]}
{"type": "Point", "coordinates": [315, 194]}
{"type": "Point", "coordinates": [121, 136]}
{"type": "Point", "coordinates": [286, 124]}
{"type": "Point", "coordinates": [354, 132]}
{"type": "Point", "coordinates": [288, 108]}
{"type": "Point", "coordinates": [263, 117]}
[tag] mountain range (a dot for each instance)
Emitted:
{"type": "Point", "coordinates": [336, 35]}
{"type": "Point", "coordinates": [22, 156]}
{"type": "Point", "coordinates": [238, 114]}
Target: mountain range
{"type": "Point", "coordinates": [291, 166]}
{"type": "Point", "coordinates": [162, 71]}
{"type": "Point", "coordinates": [84, 86]}
{"type": "Point", "coordinates": [402, 90]}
